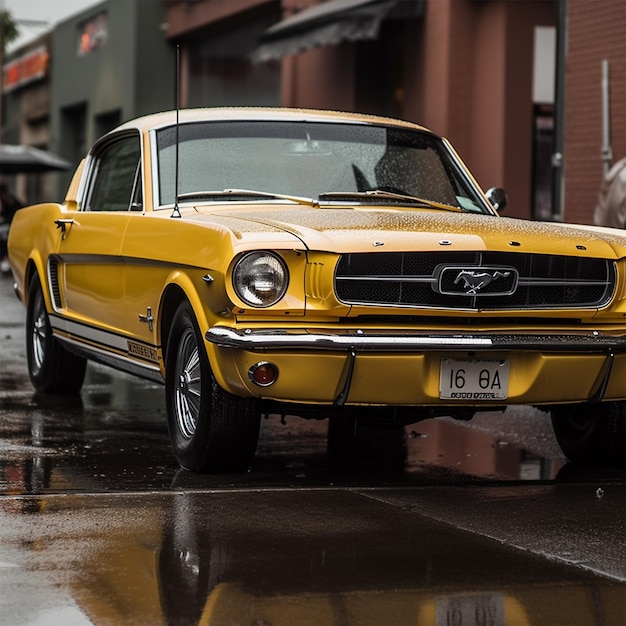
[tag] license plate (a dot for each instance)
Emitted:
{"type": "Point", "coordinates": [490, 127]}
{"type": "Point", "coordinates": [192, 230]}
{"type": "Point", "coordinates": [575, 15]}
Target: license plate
{"type": "Point", "coordinates": [474, 379]}
{"type": "Point", "coordinates": [479, 610]}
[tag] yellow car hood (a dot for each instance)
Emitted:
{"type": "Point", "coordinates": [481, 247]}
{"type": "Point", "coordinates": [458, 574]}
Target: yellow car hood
{"type": "Point", "coordinates": [365, 229]}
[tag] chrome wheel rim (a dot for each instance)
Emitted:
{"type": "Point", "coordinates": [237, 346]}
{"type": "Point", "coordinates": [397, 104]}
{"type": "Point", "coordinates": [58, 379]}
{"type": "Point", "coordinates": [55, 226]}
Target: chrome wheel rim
{"type": "Point", "coordinates": [187, 392]}
{"type": "Point", "coordinates": [39, 332]}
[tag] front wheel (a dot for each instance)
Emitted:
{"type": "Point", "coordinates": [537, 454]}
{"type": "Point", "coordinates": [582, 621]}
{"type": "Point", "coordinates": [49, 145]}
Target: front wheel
{"type": "Point", "coordinates": [592, 435]}
{"type": "Point", "coordinates": [52, 369]}
{"type": "Point", "coordinates": [210, 429]}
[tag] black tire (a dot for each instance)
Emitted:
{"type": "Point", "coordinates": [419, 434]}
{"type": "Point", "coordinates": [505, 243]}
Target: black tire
{"type": "Point", "coordinates": [52, 368]}
{"type": "Point", "coordinates": [594, 436]}
{"type": "Point", "coordinates": [210, 429]}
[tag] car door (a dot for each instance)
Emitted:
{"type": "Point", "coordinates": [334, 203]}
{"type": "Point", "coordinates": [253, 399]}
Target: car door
{"type": "Point", "coordinates": [90, 265]}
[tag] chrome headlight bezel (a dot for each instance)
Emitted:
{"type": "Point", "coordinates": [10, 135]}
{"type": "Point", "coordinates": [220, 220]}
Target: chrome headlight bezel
{"type": "Point", "coordinates": [260, 278]}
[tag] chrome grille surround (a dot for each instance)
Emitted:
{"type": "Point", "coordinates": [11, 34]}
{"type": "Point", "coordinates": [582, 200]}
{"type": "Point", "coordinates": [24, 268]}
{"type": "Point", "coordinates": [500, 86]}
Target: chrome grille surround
{"type": "Point", "coordinates": [498, 281]}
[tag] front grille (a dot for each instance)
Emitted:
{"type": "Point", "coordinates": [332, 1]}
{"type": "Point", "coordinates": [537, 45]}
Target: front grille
{"type": "Point", "coordinates": [512, 281]}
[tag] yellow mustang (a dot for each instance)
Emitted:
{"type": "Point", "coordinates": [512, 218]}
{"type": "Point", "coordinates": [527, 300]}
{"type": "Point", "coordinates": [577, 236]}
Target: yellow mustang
{"type": "Point", "coordinates": [323, 264]}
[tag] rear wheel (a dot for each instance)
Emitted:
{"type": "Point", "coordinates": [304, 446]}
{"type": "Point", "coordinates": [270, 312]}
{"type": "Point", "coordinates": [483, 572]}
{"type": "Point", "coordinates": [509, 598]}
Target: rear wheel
{"type": "Point", "coordinates": [210, 429]}
{"type": "Point", "coordinates": [52, 368]}
{"type": "Point", "coordinates": [592, 435]}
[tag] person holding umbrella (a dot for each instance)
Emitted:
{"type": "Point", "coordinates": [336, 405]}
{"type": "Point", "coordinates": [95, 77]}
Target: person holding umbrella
{"type": "Point", "coordinates": [20, 159]}
{"type": "Point", "coordinates": [9, 205]}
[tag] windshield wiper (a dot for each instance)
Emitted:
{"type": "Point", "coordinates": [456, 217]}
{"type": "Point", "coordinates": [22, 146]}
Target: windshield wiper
{"type": "Point", "coordinates": [382, 194]}
{"type": "Point", "coordinates": [248, 194]}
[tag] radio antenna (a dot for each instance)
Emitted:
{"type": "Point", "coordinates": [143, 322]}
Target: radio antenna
{"type": "Point", "coordinates": [176, 211]}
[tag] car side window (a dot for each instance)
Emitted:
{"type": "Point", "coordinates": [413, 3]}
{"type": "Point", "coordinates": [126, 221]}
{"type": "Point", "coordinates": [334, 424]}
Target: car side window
{"type": "Point", "coordinates": [115, 183]}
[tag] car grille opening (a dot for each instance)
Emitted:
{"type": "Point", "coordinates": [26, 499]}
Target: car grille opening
{"type": "Point", "coordinates": [53, 272]}
{"type": "Point", "coordinates": [500, 281]}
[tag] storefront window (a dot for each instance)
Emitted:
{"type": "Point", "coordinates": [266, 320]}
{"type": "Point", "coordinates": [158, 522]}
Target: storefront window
{"type": "Point", "coordinates": [92, 34]}
{"type": "Point", "coordinates": [222, 74]}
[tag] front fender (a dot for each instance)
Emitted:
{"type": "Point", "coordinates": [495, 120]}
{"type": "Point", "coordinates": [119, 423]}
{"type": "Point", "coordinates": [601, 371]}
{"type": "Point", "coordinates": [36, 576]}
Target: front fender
{"type": "Point", "coordinates": [205, 299]}
{"type": "Point", "coordinates": [32, 239]}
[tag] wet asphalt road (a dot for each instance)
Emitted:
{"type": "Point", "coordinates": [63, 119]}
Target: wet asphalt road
{"type": "Point", "coordinates": [478, 524]}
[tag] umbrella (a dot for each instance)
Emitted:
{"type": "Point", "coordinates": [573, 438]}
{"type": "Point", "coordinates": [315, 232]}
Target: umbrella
{"type": "Point", "coordinates": [26, 159]}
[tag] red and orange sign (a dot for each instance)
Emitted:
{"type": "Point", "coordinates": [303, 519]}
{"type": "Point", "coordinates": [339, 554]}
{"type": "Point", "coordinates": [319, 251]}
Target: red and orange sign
{"type": "Point", "coordinates": [25, 69]}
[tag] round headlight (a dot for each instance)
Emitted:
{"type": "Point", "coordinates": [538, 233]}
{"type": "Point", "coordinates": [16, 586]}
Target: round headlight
{"type": "Point", "coordinates": [260, 278]}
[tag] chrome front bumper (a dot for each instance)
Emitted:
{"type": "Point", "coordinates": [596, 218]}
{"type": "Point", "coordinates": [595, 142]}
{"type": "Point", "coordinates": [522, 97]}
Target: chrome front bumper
{"type": "Point", "coordinates": [258, 339]}
{"type": "Point", "coordinates": [361, 342]}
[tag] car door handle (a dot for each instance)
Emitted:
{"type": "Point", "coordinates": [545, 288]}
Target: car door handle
{"type": "Point", "coordinates": [63, 224]}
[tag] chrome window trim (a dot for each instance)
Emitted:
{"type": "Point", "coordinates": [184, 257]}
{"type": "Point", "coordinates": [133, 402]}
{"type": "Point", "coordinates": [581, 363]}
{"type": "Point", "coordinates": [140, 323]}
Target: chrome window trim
{"type": "Point", "coordinates": [92, 160]}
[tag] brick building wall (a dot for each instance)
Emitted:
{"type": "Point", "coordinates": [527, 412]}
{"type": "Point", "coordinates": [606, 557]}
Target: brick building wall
{"type": "Point", "coordinates": [596, 30]}
{"type": "Point", "coordinates": [467, 73]}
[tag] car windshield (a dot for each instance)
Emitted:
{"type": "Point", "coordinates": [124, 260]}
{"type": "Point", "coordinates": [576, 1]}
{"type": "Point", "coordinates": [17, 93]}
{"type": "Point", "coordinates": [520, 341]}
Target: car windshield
{"type": "Point", "coordinates": [309, 160]}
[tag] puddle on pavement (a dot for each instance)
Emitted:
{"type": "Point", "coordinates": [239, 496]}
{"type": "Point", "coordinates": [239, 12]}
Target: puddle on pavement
{"type": "Point", "coordinates": [476, 453]}
{"type": "Point", "coordinates": [320, 557]}
{"type": "Point", "coordinates": [114, 437]}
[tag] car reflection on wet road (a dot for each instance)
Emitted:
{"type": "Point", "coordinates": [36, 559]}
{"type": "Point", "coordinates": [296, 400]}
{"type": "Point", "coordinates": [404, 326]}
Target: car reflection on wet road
{"type": "Point", "coordinates": [270, 557]}
{"type": "Point", "coordinates": [447, 524]}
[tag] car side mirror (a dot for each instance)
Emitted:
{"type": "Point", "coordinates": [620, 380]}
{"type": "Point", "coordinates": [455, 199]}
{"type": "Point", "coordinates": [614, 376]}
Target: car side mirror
{"type": "Point", "coordinates": [498, 198]}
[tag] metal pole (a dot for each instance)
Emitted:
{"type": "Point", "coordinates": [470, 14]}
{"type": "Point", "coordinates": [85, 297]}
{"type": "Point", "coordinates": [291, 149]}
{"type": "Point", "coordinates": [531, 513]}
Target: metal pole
{"type": "Point", "coordinates": [2, 10]}
{"type": "Point", "coordinates": [607, 153]}
{"type": "Point", "coordinates": [559, 113]}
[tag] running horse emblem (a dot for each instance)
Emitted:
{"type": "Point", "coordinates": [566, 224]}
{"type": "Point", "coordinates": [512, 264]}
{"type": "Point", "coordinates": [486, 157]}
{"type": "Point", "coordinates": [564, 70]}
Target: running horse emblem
{"type": "Point", "coordinates": [474, 281]}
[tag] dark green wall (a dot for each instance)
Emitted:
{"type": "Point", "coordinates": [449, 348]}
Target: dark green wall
{"type": "Point", "coordinates": [131, 74]}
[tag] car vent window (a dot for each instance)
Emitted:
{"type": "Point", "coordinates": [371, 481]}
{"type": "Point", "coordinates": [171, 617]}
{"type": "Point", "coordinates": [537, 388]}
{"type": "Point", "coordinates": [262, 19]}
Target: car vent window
{"type": "Point", "coordinates": [115, 176]}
